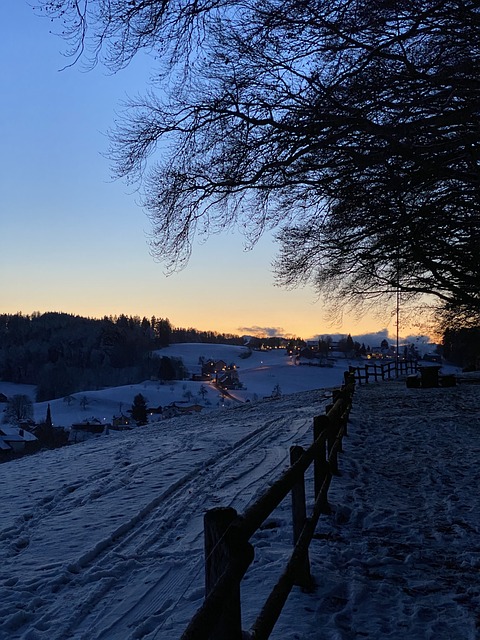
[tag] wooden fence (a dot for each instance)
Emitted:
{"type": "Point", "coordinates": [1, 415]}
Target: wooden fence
{"type": "Point", "coordinates": [228, 552]}
{"type": "Point", "coordinates": [386, 370]}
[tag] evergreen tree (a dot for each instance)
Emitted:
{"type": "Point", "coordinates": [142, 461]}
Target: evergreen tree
{"type": "Point", "coordinates": [45, 432]}
{"type": "Point", "coordinates": [350, 346]}
{"type": "Point", "coordinates": [48, 419]}
{"type": "Point", "coordinates": [166, 370]}
{"type": "Point", "coordinates": [139, 409]}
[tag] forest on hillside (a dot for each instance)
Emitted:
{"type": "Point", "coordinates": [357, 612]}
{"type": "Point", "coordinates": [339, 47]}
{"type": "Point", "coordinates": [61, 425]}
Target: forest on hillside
{"type": "Point", "coordinates": [62, 353]}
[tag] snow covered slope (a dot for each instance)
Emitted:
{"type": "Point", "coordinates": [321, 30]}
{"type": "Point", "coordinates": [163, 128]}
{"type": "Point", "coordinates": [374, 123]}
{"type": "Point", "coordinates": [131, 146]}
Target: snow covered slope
{"type": "Point", "coordinates": [103, 540]}
{"type": "Point", "coordinates": [259, 374]}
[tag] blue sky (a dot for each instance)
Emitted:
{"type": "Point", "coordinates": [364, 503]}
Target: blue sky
{"type": "Point", "coordinates": [73, 240]}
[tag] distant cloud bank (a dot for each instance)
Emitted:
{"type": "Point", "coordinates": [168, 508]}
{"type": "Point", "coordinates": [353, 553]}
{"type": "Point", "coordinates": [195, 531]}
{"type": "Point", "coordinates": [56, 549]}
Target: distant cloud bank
{"type": "Point", "coordinates": [372, 339]}
{"type": "Point", "coordinates": [375, 338]}
{"type": "Point", "coordinates": [261, 332]}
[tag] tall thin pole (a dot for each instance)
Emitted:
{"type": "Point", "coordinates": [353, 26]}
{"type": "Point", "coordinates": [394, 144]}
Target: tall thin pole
{"type": "Point", "coordinates": [398, 318]}
{"type": "Point", "coordinates": [398, 330]}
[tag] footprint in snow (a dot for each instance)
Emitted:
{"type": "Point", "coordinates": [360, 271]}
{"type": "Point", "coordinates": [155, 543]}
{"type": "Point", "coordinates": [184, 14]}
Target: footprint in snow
{"type": "Point", "coordinates": [20, 544]}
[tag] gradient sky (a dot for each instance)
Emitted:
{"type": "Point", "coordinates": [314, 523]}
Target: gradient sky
{"type": "Point", "coordinates": [73, 240]}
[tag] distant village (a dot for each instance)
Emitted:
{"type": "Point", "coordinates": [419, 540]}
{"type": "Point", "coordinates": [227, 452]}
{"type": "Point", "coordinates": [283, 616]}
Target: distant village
{"type": "Point", "coordinates": [20, 435]}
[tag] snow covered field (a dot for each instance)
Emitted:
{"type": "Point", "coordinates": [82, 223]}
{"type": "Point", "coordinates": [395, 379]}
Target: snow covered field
{"type": "Point", "coordinates": [259, 374]}
{"type": "Point", "coordinates": [103, 539]}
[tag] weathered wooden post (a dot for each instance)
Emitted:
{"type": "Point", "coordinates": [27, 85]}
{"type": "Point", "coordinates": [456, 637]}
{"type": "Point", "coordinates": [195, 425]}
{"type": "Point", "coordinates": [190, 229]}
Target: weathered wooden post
{"type": "Point", "coordinates": [303, 576]}
{"type": "Point", "coordinates": [333, 431]}
{"type": "Point", "coordinates": [337, 394]}
{"type": "Point", "coordinates": [348, 376]}
{"type": "Point", "coordinates": [218, 555]}
{"type": "Point", "coordinates": [321, 472]}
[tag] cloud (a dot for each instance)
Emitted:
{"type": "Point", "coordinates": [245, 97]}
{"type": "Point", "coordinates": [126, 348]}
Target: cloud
{"type": "Point", "coordinates": [374, 338]}
{"type": "Point", "coordinates": [261, 332]}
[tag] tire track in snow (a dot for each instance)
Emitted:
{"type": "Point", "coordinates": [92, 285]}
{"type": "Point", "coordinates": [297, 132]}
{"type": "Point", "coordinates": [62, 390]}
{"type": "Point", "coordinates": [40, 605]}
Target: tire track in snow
{"type": "Point", "coordinates": [110, 563]}
{"type": "Point", "coordinates": [160, 606]}
{"type": "Point", "coordinates": [95, 581]}
{"type": "Point", "coordinates": [71, 496]}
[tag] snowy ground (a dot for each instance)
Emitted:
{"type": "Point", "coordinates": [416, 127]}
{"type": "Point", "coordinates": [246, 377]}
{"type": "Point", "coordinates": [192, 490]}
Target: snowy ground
{"type": "Point", "coordinates": [260, 374]}
{"type": "Point", "coordinates": [103, 540]}
{"type": "Point", "coordinates": [400, 557]}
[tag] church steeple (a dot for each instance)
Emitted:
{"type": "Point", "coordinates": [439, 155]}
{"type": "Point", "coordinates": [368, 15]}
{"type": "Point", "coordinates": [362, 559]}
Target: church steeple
{"type": "Point", "coordinates": [48, 419]}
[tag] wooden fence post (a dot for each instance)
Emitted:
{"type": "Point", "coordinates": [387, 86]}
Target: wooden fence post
{"type": "Point", "coordinates": [347, 376]}
{"type": "Point", "coordinates": [344, 420]}
{"type": "Point", "coordinates": [217, 557]}
{"type": "Point", "coordinates": [336, 395]}
{"type": "Point", "coordinates": [321, 472]}
{"type": "Point", "coordinates": [332, 453]}
{"type": "Point", "coordinates": [303, 576]}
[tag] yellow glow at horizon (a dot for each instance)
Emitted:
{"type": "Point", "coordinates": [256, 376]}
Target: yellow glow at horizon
{"type": "Point", "coordinates": [223, 289]}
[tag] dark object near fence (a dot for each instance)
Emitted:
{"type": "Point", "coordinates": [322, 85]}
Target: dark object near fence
{"type": "Point", "coordinates": [429, 376]}
{"type": "Point", "coordinates": [228, 551]}
{"type": "Point", "coordinates": [448, 380]}
{"type": "Point", "coordinates": [414, 382]}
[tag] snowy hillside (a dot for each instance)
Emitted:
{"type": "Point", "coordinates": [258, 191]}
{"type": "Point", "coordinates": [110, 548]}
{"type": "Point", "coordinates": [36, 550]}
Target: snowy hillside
{"type": "Point", "coordinates": [103, 540]}
{"type": "Point", "coordinates": [259, 374]}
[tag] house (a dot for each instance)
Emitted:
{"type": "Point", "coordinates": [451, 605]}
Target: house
{"type": "Point", "coordinates": [432, 357]}
{"type": "Point", "coordinates": [50, 436]}
{"type": "Point", "coordinates": [229, 379]}
{"type": "Point", "coordinates": [213, 367]}
{"type": "Point", "coordinates": [155, 411]}
{"type": "Point", "coordinates": [5, 448]}
{"type": "Point", "coordinates": [14, 440]}
{"type": "Point", "coordinates": [90, 425]}
{"type": "Point", "coordinates": [314, 358]}
{"type": "Point", "coordinates": [225, 376]}
{"type": "Point", "coordinates": [173, 410]}
{"type": "Point", "coordinates": [120, 423]}
{"type": "Point", "coordinates": [201, 377]}
{"type": "Point", "coordinates": [81, 431]}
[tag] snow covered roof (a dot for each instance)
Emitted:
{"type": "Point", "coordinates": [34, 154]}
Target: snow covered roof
{"type": "Point", "coordinates": [11, 433]}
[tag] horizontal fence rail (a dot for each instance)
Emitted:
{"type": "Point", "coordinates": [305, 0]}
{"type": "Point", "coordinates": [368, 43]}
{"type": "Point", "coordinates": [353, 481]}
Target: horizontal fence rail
{"type": "Point", "coordinates": [376, 371]}
{"type": "Point", "coordinates": [228, 552]}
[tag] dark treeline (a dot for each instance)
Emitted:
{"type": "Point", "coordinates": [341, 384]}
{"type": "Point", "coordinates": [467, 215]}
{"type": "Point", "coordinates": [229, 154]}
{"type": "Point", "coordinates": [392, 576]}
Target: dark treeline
{"type": "Point", "coordinates": [63, 353]}
{"type": "Point", "coordinates": [213, 337]}
{"type": "Point", "coordinates": [462, 347]}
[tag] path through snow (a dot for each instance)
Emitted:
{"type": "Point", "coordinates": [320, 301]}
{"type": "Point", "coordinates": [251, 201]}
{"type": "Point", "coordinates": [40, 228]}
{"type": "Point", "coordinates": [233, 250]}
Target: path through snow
{"type": "Point", "coordinates": [400, 556]}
